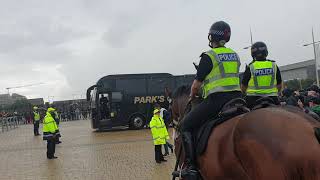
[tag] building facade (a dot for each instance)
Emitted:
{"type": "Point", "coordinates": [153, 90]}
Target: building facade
{"type": "Point", "coordinates": [300, 70]}
{"type": "Point", "coordinates": [7, 99]}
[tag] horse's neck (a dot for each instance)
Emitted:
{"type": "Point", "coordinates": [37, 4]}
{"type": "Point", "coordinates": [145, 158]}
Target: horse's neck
{"type": "Point", "coordinates": [183, 104]}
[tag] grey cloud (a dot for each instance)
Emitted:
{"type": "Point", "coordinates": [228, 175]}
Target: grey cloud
{"type": "Point", "coordinates": [90, 39]}
{"type": "Point", "coordinates": [35, 32]}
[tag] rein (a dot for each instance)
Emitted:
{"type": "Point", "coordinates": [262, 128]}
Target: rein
{"type": "Point", "coordinates": [186, 110]}
{"type": "Point", "coordinates": [176, 127]}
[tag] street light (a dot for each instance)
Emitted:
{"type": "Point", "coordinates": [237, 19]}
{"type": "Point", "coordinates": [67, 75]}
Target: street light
{"type": "Point", "coordinates": [311, 43]}
{"type": "Point", "coordinates": [315, 55]}
{"type": "Point", "coordinates": [251, 41]}
{"type": "Point", "coordinates": [247, 47]}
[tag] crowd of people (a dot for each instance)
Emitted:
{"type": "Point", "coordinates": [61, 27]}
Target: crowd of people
{"type": "Point", "coordinates": [307, 100]}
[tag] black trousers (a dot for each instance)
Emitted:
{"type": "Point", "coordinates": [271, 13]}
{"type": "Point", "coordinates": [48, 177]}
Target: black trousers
{"type": "Point", "coordinates": [157, 153]}
{"type": "Point", "coordinates": [51, 148]}
{"type": "Point", "coordinates": [251, 100]}
{"type": "Point", "coordinates": [208, 108]}
{"type": "Point", "coordinates": [36, 127]}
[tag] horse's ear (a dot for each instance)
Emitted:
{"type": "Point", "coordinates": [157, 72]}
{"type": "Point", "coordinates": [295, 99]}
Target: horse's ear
{"type": "Point", "coordinates": [196, 66]}
{"type": "Point", "coordinates": [167, 92]}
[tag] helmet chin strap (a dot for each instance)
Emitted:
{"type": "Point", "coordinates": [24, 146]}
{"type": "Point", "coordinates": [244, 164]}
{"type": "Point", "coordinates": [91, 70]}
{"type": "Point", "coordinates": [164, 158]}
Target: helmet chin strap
{"type": "Point", "coordinates": [213, 44]}
{"type": "Point", "coordinates": [210, 42]}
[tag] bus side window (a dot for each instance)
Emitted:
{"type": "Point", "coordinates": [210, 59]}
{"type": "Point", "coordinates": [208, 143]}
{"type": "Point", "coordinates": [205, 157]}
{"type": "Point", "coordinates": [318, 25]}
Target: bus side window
{"type": "Point", "coordinates": [116, 97]}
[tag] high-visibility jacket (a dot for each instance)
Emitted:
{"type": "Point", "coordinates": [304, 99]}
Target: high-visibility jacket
{"type": "Point", "coordinates": [224, 75]}
{"type": "Point", "coordinates": [263, 79]}
{"type": "Point", "coordinates": [158, 130]}
{"type": "Point", "coordinates": [50, 127]}
{"type": "Point", "coordinates": [36, 115]}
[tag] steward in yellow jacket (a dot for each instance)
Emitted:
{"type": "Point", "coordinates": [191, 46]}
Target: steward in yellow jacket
{"type": "Point", "coordinates": [50, 132]}
{"type": "Point", "coordinates": [159, 134]}
{"type": "Point", "coordinates": [36, 121]}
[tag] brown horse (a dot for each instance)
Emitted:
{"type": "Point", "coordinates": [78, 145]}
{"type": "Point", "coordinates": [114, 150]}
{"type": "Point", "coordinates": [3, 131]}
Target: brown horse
{"type": "Point", "coordinates": [265, 144]}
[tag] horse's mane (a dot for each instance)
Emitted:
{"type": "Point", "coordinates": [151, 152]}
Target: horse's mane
{"type": "Point", "coordinates": [295, 109]}
{"type": "Point", "coordinates": [182, 90]}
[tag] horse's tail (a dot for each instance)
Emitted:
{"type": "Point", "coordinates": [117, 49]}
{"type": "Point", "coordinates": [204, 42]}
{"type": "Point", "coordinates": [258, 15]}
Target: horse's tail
{"type": "Point", "coordinates": [273, 143]}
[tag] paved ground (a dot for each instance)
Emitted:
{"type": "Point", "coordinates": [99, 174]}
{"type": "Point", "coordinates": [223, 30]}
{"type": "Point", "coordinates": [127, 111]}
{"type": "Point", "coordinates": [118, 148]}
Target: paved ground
{"type": "Point", "coordinates": [84, 154]}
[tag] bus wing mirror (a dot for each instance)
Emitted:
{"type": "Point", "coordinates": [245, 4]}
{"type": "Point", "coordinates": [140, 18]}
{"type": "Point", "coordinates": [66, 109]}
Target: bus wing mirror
{"type": "Point", "coordinates": [195, 66]}
{"type": "Point", "coordinates": [88, 94]}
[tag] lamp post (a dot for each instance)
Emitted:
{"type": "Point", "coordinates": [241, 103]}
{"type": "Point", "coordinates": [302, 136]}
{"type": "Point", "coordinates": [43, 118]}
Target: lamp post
{"type": "Point", "coordinates": [251, 41]}
{"type": "Point", "coordinates": [315, 55]}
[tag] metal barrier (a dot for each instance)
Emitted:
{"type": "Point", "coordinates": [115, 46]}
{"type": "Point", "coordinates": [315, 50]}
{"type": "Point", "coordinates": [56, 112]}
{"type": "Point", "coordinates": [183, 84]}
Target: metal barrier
{"type": "Point", "coordinates": [74, 118]}
{"type": "Point", "coordinates": [8, 123]}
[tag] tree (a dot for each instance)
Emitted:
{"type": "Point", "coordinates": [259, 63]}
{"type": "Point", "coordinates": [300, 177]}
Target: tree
{"type": "Point", "coordinates": [299, 84]}
{"type": "Point", "coordinates": [21, 106]}
{"type": "Point", "coordinates": [293, 84]}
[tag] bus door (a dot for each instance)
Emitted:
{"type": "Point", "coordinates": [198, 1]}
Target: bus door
{"type": "Point", "coordinates": [104, 103]}
{"type": "Point", "coordinates": [115, 110]}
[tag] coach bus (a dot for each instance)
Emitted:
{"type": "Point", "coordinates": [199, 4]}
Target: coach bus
{"type": "Point", "coordinates": [128, 99]}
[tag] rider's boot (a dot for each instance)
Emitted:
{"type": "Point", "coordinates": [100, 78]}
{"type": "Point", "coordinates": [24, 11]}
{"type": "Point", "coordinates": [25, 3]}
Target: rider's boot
{"type": "Point", "coordinates": [190, 172]}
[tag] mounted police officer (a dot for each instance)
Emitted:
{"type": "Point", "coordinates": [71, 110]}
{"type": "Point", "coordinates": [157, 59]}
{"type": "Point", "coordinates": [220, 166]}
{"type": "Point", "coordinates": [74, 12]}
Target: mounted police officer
{"type": "Point", "coordinates": [262, 78]}
{"type": "Point", "coordinates": [218, 75]}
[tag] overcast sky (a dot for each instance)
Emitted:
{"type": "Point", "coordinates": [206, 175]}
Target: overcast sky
{"type": "Point", "coordinates": [70, 44]}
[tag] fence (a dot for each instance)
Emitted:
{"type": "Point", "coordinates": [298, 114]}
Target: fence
{"type": "Point", "coordinates": [76, 116]}
{"type": "Point", "coordinates": [8, 123]}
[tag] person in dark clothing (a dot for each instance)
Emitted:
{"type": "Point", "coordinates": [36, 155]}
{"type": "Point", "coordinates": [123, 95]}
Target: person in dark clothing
{"type": "Point", "coordinates": [36, 121]}
{"type": "Point", "coordinates": [262, 78]}
{"type": "Point", "coordinates": [104, 101]}
{"type": "Point", "coordinates": [218, 75]}
{"type": "Point", "coordinates": [166, 117]}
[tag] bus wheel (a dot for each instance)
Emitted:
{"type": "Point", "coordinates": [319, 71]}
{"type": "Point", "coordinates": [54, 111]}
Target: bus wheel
{"type": "Point", "coordinates": [137, 121]}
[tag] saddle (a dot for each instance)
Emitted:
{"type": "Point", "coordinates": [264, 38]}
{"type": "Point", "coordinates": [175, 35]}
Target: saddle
{"type": "Point", "coordinates": [263, 102]}
{"type": "Point", "coordinates": [231, 109]}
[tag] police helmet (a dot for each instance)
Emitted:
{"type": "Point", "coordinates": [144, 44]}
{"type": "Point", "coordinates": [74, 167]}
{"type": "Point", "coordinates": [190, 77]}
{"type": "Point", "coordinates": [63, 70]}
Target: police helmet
{"type": "Point", "coordinates": [220, 33]}
{"type": "Point", "coordinates": [259, 49]}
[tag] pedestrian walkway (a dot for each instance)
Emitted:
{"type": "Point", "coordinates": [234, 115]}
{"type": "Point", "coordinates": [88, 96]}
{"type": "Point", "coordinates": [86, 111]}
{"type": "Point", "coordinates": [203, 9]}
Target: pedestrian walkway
{"type": "Point", "coordinates": [83, 154]}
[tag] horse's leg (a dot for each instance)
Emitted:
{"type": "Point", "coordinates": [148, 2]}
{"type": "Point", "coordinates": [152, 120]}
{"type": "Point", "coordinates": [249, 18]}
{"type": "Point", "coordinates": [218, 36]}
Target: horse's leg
{"type": "Point", "coordinates": [275, 144]}
{"type": "Point", "coordinates": [219, 160]}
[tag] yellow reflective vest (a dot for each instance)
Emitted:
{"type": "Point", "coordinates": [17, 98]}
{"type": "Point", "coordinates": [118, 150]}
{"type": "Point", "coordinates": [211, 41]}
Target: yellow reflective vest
{"type": "Point", "coordinates": [36, 115]}
{"type": "Point", "coordinates": [224, 75]}
{"type": "Point", "coordinates": [263, 79]}
{"type": "Point", "coordinates": [158, 130]}
{"type": "Point", "coordinates": [50, 127]}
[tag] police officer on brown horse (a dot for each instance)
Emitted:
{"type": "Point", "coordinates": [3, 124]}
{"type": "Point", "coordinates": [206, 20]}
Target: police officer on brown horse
{"type": "Point", "coordinates": [262, 78]}
{"type": "Point", "coordinates": [218, 75]}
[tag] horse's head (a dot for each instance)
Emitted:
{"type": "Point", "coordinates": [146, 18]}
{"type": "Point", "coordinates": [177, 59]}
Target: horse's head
{"type": "Point", "coordinates": [180, 99]}
{"type": "Point", "coordinates": [181, 104]}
